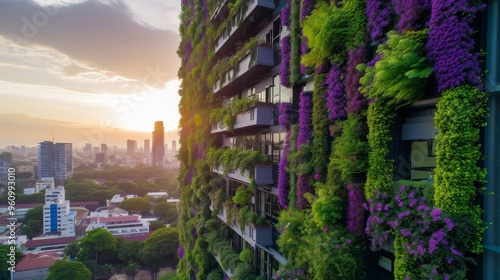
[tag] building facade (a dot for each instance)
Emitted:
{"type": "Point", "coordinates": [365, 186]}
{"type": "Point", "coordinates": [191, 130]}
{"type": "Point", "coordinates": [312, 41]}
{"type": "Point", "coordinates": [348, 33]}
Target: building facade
{"type": "Point", "coordinates": [55, 160]}
{"type": "Point", "coordinates": [5, 164]}
{"type": "Point", "coordinates": [131, 146]}
{"type": "Point", "coordinates": [158, 148]}
{"type": "Point", "coordinates": [339, 140]}
{"type": "Point", "coordinates": [57, 216]}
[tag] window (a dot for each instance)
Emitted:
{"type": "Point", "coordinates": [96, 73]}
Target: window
{"type": "Point", "coordinates": [423, 160]}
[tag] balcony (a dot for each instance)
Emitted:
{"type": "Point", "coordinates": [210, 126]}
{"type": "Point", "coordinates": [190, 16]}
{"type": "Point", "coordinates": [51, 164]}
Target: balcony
{"type": "Point", "coordinates": [257, 117]}
{"type": "Point", "coordinates": [263, 174]}
{"type": "Point", "coordinates": [244, 25]}
{"type": "Point", "coordinates": [248, 71]}
{"type": "Point", "coordinates": [254, 235]}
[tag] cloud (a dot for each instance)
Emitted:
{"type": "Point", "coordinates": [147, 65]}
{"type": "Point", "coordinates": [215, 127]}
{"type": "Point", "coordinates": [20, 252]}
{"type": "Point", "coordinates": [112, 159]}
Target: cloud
{"type": "Point", "coordinates": [88, 38]}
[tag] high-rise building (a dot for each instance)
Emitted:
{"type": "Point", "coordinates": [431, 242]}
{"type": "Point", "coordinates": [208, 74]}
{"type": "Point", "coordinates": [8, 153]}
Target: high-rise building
{"type": "Point", "coordinates": [5, 164]}
{"type": "Point", "coordinates": [174, 146]}
{"type": "Point", "coordinates": [131, 146]}
{"type": "Point", "coordinates": [87, 149]}
{"type": "Point", "coordinates": [342, 132]}
{"type": "Point", "coordinates": [104, 149]}
{"type": "Point", "coordinates": [55, 160]}
{"type": "Point", "coordinates": [146, 147]}
{"type": "Point", "coordinates": [158, 149]}
{"type": "Point", "coordinates": [57, 217]}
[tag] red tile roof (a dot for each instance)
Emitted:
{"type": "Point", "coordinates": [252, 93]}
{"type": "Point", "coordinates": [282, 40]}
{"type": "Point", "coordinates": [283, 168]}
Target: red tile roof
{"type": "Point", "coordinates": [115, 219]}
{"type": "Point", "coordinates": [37, 261]}
{"type": "Point", "coordinates": [50, 241]}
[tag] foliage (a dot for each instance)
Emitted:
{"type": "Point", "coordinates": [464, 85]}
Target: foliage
{"type": "Point", "coordinates": [295, 38]}
{"type": "Point", "coordinates": [290, 273]}
{"type": "Point", "coordinates": [63, 270]}
{"type": "Point", "coordinates": [399, 76]}
{"type": "Point", "coordinates": [331, 30]}
{"type": "Point", "coordinates": [129, 250]}
{"type": "Point", "coordinates": [228, 113]}
{"type": "Point", "coordinates": [320, 123]}
{"type": "Point", "coordinates": [162, 209]}
{"type": "Point", "coordinates": [136, 205]}
{"type": "Point", "coordinates": [154, 225]}
{"type": "Point", "coordinates": [5, 259]}
{"type": "Point", "coordinates": [242, 196]}
{"type": "Point", "coordinates": [162, 244]}
{"type": "Point", "coordinates": [433, 240]}
{"type": "Point", "coordinates": [459, 118]}
{"type": "Point", "coordinates": [31, 228]}
{"type": "Point", "coordinates": [233, 159]}
{"type": "Point", "coordinates": [95, 242]}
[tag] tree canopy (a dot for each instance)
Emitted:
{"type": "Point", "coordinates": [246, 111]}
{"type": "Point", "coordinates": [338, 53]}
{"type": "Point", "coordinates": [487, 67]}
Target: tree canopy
{"type": "Point", "coordinates": [160, 246]}
{"type": "Point", "coordinates": [64, 270]}
{"type": "Point", "coordinates": [136, 205]}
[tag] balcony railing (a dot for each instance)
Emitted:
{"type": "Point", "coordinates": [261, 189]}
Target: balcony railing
{"type": "Point", "coordinates": [258, 116]}
{"type": "Point", "coordinates": [246, 70]}
{"type": "Point", "coordinates": [244, 21]}
{"type": "Point", "coordinates": [254, 235]}
{"type": "Point", "coordinates": [263, 174]}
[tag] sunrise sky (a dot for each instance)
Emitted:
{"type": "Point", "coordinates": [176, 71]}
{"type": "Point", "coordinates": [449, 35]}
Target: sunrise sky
{"type": "Point", "coordinates": [87, 71]}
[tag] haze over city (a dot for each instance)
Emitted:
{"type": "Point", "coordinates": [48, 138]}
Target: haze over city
{"type": "Point", "coordinates": [87, 71]}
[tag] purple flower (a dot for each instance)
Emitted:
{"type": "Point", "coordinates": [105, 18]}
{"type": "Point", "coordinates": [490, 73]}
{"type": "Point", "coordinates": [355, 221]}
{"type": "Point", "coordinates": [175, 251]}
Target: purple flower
{"type": "Point", "coordinates": [450, 45]}
{"type": "Point", "coordinates": [378, 13]}
{"type": "Point", "coordinates": [355, 213]}
{"type": "Point", "coordinates": [402, 188]}
{"type": "Point", "coordinates": [285, 14]}
{"type": "Point", "coordinates": [283, 175]}
{"type": "Point", "coordinates": [409, 12]}
{"type": "Point", "coordinates": [335, 98]}
{"type": "Point", "coordinates": [286, 49]}
{"type": "Point", "coordinates": [436, 214]}
{"type": "Point", "coordinates": [449, 223]}
{"type": "Point", "coordinates": [355, 100]}
{"type": "Point", "coordinates": [306, 8]}
{"type": "Point", "coordinates": [180, 251]}
{"type": "Point", "coordinates": [316, 176]}
{"type": "Point", "coordinates": [305, 108]}
{"type": "Point", "coordinates": [325, 229]}
{"type": "Point", "coordinates": [348, 241]}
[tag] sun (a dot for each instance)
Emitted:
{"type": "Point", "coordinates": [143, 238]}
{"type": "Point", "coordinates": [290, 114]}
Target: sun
{"type": "Point", "coordinates": [140, 111]}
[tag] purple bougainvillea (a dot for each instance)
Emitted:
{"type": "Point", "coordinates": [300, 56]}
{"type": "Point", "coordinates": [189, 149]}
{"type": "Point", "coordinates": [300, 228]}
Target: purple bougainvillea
{"type": "Point", "coordinates": [378, 13]}
{"type": "Point", "coordinates": [355, 211]}
{"type": "Point", "coordinates": [189, 50]}
{"type": "Point", "coordinates": [185, 2]}
{"type": "Point", "coordinates": [283, 175]}
{"type": "Point", "coordinates": [205, 10]}
{"type": "Point", "coordinates": [285, 14]}
{"type": "Point", "coordinates": [355, 100]}
{"type": "Point", "coordinates": [450, 46]}
{"type": "Point", "coordinates": [302, 188]}
{"type": "Point", "coordinates": [409, 12]}
{"type": "Point", "coordinates": [305, 108]}
{"type": "Point", "coordinates": [285, 61]}
{"type": "Point", "coordinates": [335, 98]}
{"type": "Point", "coordinates": [180, 251]}
{"type": "Point", "coordinates": [306, 8]}
{"type": "Point", "coordinates": [285, 114]}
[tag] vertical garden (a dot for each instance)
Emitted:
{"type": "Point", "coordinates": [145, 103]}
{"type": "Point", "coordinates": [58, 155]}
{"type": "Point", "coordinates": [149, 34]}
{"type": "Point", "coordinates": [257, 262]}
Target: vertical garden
{"type": "Point", "coordinates": [367, 60]}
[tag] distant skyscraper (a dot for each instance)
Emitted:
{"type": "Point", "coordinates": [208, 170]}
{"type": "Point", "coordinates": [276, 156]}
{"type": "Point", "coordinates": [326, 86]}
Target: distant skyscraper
{"type": "Point", "coordinates": [87, 149]}
{"type": "Point", "coordinates": [104, 149]}
{"type": "Point", "coordinates": [131, 146]}
{"type": "Point", "coordinates": [5, 164]}
{"type": "Point", "coordinates": [158, 151]}
{"type": "Point", "coordinates": [174, 146]}
{"type": "Point", "coordinates": [55, 160]}
{"type": "Point", "coordinates": [146, 147]}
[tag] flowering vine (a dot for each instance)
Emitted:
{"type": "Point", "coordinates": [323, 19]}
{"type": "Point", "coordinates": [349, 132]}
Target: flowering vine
{"type": "Point", "coordinates": [335, 98]}
{"type": "Point", "coordinates": [378, 13]}
{"type": "Point", "coordinates": [355, 100]}
{"type": "Point", "coordinates": [285, 61]}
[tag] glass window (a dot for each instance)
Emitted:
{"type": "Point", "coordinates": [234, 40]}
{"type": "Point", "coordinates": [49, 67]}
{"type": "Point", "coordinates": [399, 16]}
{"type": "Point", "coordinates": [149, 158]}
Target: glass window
{"type": "Point", "coordinates": [423, 160]}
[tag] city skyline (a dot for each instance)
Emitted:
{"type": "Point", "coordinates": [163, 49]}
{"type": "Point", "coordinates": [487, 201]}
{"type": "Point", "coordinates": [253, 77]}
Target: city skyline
{"type": "Point", "coordinates": [67, 69]}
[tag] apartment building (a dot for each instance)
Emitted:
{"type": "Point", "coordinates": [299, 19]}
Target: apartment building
{"type": "Point", "coordinates": [295, 143]}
